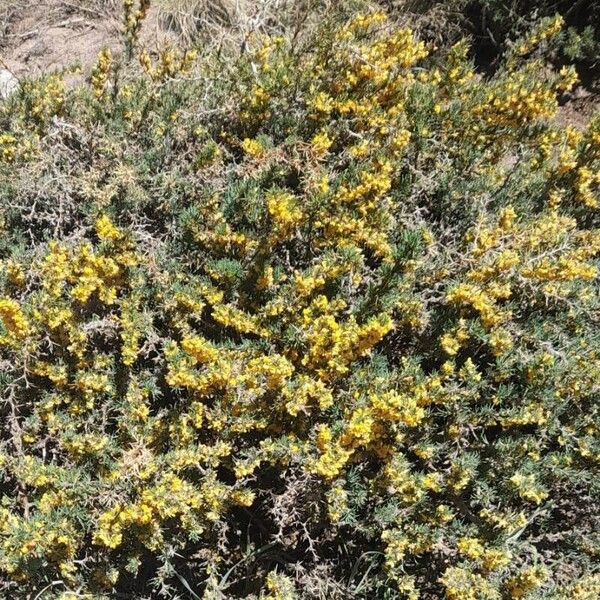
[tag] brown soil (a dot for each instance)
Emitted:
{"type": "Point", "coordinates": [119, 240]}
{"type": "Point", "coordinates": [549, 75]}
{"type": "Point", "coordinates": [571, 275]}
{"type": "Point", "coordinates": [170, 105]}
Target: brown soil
{"type": "Point", "coordinates": [48, 35]}
{"type": "Point", "coordinates": [579, 109]}
{"type": "Point", "coordinates": [41, 36]}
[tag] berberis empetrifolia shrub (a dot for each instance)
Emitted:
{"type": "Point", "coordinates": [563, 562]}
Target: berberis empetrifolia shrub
{"type": "Point", "coordinates": [318, 321]}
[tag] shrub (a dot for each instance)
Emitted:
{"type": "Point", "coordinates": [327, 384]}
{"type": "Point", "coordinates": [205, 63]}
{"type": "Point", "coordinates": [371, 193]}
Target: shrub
{"type": "Point", "coordinates": [317, 321]}
{"type": "Point", "coordinates": [495, 23]}
{"type": "Point", "coordinates": [579, 41]}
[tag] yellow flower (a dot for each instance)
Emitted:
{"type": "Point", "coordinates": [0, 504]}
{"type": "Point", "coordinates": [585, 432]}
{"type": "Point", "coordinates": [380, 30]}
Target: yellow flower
{"type": "Point", "coordinates": [13, 318]}
{"type": "Point", "coordinates": [253, 148]}
{"type": "Point", "coordinates": [321, 143]}
{"type": "Point", "coordinates": [106, 230]}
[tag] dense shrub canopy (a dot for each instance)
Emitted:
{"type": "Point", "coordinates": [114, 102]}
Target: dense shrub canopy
{"type": "Point", "coordinates": [317, 322]}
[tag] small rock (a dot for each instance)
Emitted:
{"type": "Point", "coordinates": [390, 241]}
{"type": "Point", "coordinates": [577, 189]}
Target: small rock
{"type": "Point", "coordinates": [8, 84]}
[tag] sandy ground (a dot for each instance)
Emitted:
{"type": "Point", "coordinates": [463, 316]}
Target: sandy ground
{"type": "Point", "coordinates": [42, 36]}
{"type": "Point", "coordinates": [50, 35]}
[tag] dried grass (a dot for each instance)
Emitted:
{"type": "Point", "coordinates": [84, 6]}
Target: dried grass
{"type": "Point", "coordinates": [220, 21]}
